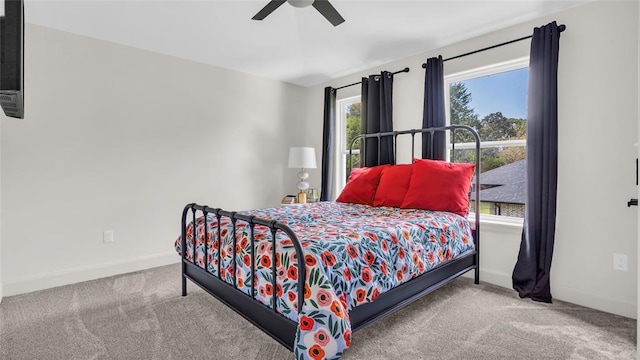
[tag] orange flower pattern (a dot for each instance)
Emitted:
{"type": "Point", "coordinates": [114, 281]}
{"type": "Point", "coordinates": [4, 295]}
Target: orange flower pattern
{"type": "Point", "coordinates": [353, 253]}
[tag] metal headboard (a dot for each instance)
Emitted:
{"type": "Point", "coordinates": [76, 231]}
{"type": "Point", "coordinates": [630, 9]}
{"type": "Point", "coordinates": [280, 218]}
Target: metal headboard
{"type": "Point", "coordinates": [430, 132]}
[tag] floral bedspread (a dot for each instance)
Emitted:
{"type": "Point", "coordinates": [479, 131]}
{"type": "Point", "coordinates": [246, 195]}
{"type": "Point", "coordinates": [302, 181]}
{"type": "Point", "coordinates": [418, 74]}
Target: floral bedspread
{"type": "Point", "coordinates": [353, 253]}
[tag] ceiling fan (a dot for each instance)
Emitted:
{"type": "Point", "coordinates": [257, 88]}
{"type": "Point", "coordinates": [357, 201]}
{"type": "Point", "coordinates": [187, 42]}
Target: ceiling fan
{"type": "Point", "coordinates": [323, 6]}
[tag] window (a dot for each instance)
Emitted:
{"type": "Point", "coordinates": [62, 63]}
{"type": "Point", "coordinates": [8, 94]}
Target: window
{"type": "Point", "coordinates": [349, 127]}
{"type": "Point", "coordinates": [492, 100]}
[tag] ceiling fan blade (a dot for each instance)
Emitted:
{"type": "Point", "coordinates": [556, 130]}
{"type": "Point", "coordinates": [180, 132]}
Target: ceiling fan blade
{"type": "Point", "coordinates": [268, 9]}
{"type": "Point", "coordinates": [328, 11]}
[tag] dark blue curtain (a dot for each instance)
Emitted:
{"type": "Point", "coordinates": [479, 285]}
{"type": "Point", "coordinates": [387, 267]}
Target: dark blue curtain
{"type": "Point", "coordinates": [377, 116]}
{"type": "Point", "coordinates": [531, 273]}
{"type": "Point", "coordinates": [433, 114]}
{"type": "Point", "coordinates": [328, 144]}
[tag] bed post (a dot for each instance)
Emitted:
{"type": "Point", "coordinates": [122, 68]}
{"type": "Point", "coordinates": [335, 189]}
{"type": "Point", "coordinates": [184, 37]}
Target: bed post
{"type": "Point", "coordinates": [477, 256]}
{"type": "Point", "coordinates": [184, 247]}
{"type": "Point", "coordinates": [476, 237]}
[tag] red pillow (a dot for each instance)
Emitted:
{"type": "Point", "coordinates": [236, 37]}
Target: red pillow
{"type": "Point", "coordinates": [394, 183]}
{"type": "Point", "coordinates": [361, 185]}
{"type": "Point", "coordinates": [439, 186]}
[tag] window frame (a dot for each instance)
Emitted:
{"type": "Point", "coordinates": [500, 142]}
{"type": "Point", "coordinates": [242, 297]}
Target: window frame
{"type": "Point", "coordinates": [492, 69]}
{"type": "Point", "coordinates": [342, 151]}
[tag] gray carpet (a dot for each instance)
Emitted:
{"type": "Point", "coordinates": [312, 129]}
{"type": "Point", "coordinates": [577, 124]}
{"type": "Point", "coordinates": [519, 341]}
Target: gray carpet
{"type": "Point", "coordinates": [142, 316]}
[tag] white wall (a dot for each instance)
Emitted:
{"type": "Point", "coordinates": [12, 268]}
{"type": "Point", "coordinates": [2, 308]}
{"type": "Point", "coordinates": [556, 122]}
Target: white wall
{"type": "Point", "coordinates": [117, 138]}
{"type": "Point", "coordinates": [598, 112]}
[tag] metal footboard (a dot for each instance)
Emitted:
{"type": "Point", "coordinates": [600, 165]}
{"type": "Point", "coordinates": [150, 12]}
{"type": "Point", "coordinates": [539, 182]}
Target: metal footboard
{"type": "Point", "coordinates": [276, 325]}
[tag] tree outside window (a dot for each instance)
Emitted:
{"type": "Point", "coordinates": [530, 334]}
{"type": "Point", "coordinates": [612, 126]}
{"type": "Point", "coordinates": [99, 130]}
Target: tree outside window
{"type": "Point", "coordinates": [353, 129]}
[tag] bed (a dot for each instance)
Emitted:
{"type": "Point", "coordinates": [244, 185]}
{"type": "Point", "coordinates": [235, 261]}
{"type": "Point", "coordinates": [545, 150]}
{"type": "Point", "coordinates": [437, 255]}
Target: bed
{"type": "Point", "coordinates": [312, 274]}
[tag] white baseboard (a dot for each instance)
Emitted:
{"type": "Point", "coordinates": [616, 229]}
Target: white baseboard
{"type": "Point", "coordinates": [80, 274]}
{"type": "Point", "coordinates": [496, 278]}
{"type": "Point", "coordinates": [492, 277]}
{"type": "Point", "coordinates": [590, 300]}
{"type": "Point", "coordinates": [567, 294]}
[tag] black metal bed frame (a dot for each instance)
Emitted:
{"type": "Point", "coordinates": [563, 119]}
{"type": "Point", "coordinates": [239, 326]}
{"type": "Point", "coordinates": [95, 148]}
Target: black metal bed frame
{"type": "Point", "coordinates": [266, 317]}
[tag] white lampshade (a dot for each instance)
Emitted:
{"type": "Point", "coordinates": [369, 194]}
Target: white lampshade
{"type": "Point", "coordinates": [302, 158]}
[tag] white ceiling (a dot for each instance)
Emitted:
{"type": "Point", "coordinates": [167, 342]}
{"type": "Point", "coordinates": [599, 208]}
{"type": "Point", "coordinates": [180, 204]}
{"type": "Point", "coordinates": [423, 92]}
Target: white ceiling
{"type": "Point", "coordinates": [295, 45]}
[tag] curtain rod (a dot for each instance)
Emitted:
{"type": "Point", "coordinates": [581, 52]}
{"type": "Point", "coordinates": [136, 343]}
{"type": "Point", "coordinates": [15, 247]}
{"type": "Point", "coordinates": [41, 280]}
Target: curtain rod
{"type": "Point", "coordinates": [360, 82]}
{"type": "Point", "coordinates": [561, 28]}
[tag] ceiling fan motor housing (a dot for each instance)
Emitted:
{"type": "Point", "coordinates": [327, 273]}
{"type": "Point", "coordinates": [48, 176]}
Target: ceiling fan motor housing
{"type": "Point", "coordinates": [324, 7]}
{"type": "Point", "coordinates": [300, 3]}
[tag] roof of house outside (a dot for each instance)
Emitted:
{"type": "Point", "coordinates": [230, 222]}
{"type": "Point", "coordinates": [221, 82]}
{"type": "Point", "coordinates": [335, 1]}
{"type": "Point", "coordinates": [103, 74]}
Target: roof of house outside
{"type": "Point", "coordinates": [503, 175]}
{"type": "Point", "coordinates": [510, 193]}
{"type": "Point", "coordinates": [507, 184]}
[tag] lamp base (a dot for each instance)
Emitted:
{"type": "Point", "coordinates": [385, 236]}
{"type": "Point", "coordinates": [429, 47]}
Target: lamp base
{"type": "Point", "coordinates": [302, 197]}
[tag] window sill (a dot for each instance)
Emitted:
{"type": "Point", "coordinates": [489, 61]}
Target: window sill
{"type": "Point", "coordinates": [495, 222]}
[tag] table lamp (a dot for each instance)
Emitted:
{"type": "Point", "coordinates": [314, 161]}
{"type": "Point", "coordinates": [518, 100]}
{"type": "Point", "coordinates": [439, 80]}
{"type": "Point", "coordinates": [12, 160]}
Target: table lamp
{"type": "Point", "coordinates": [302, 158]}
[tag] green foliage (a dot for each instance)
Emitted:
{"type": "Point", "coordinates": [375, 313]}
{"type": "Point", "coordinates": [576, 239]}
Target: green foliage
{"type": "Point", "coordinates": [461, 111]}
{"type": "Point", "coordinates": [496, 126]}
{"type": "Point", "coordinates": [493, 127]}
{"type": "Point", "coordinates": [355, 110]}
{"type": "Point", "coordinates": [354, 128]}
{"type": "Point", "coordinates": [490, 158]}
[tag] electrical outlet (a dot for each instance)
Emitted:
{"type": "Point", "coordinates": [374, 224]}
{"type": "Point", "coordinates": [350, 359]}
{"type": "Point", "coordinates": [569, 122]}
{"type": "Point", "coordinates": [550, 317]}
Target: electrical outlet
{"type": "Point", "coordinates": [620, 262]}
{"type": "Point", "coordinates": [107, 236]}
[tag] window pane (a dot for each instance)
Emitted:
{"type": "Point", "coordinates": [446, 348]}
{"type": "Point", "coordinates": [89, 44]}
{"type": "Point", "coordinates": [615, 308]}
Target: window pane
{"type": "Point", "coordinates": [490, 158]}
{"type": "Point", "coordinates": [353, 128]}
{"type": "Point", "coordinates": [502, 175]}
{"type": "Point", "coordinates": [495, 105]}
{"type": "Point", "coordinates": [353, 122]}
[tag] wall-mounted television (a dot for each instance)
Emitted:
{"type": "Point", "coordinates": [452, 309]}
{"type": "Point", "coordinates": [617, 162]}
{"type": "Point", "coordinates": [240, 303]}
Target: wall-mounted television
{"type": "Point", "coordinates": [12, 59]}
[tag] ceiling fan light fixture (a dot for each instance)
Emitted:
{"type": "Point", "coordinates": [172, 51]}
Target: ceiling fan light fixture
{"type": "Point", "coordinates": [324, 7]}
{"type": "Point", "coordinates": [300, 3]}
